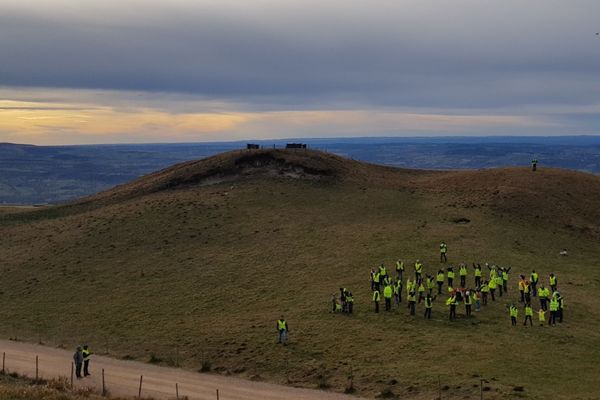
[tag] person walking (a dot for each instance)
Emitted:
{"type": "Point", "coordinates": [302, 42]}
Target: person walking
{"type": "Point", "coordinates": [560, 307]}
{"type": "Point", "coordinates": [86, 353]}
{"type": "Point", "coordinates": [443, 251]}
{"type": "Point", "coordinates": [430, 283]}
{"type": "Point", "coordinates": [78, 360]}
{"type": "Point", "coordinates": [283, 330]}
{"type": "Point", "coordinates": [398, 291]}
{"type": "Point", "coordinates": [376, 299]}
{"type": "Point", "coordinates": [527, 292]}
{"type": "Point", "coordinates": [542, 317]}
{"type": "Point", "coordinates": [522, 288]}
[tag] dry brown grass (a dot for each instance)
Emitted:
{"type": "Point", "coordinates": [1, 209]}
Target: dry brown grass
{"type": "Point", "coordinates": [144, 270]}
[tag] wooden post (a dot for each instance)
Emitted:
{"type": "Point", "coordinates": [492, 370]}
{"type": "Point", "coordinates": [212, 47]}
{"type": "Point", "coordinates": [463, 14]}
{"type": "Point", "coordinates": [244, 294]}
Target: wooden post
{"type": "Point", "coordinates": [103, 384]}
{"type": "Point", "coordinates": [36, 369]}
{"type": "Point", "coordinates": [3, 362]}
{"type": "Point", "coordinates": [72, 369]}
{"type": "Point", "coordinates": [217, 394]}
{"type": "Point", "coordinates": [176, 391]}
{"type": "Point", "coordinates": [140, 391]}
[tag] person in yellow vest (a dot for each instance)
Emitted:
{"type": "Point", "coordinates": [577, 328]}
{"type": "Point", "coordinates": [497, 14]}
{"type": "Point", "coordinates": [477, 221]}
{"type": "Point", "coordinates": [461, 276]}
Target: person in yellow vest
{"type": "Point", "coordinates": [542, 317]}
{"type": "Point", "coordinates": [505, 272]}
{"type": "Point", "coordinates": [522, 288]}
{"type": "Point", "coordinates": [440, 280]}
{"type": "Point", "coordinates": [398, 292]}
{"type": "Point", "coordinates": [443, 252]}
{"type": "Point", "coordinates": [451, 302]}
{"type": "Point", "coordinates": [493, 271]}
{"type": "Point", "coordinates": [429, 281]}
{"type": "Point", "coordinates": [514, 313]}
{"type": "Point", "coordinates": [350, 302]}
{"type": "Point", "coordinates": [428, 305]}
{"type": "Point", "coordinates": [412, 301]}
{"type": "Point", "coordinates": [376, 281]}
{"type": "Point", "coordinates": [399, 269]}
{"type": "Point", "coordinates": [418, 270]}
{"type": "Point", "coordinates": [543, 297]}
{"type": "Point", "coordinates": [282, 329]}
{"type": "Point", "coordinates": [468, 302]}
{"type": "Point", "coordinates": [553, 310]}
{"type": "Point", "coordinates": [485, 289]}
{"type": "Point", "coordinates": [376, 299]}
{"type": "Point", "coordinates": [86, 360]}
{"type": "Point", "coordinates": [492, 286]}
{"type": "Point", "coordinates": [528, 315]}
{"type": "Point", "coordinates": [450, 275]}
{"type": "Point", "coordinates": [382, 272]}
{"type": "Point", "coordinates": [477, 273]}
{"type": "Point", "coordinates": [462, 271]}
{"type": "Point", "coordinates": [535, 277]}
{"type": "Point", "coordinates": [410, 286]}
{"type": "Point", "coordinates": [387, 296]}
{"type": "Point", "coordinates": [421, 291]}
{"type": "Point", "coordinates": [553, 283]}
{"type": "Point", "coordinates": [561, 305]}
{"type": "Point", "coordinates": [499, 283]}
{"type": "Point", "coordinates": [527, 292]}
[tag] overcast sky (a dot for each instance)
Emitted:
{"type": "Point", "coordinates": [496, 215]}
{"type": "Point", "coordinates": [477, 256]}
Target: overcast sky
{"type": "Point", "coordinates": [164, 71]}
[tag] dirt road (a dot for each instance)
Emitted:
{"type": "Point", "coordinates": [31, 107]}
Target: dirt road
{"type": "Point", "coordinates": [123, 377]}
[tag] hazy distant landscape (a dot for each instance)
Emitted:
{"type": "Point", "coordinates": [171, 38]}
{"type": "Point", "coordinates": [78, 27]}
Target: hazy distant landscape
{"type": "Point", "coordinates": [53, 174]}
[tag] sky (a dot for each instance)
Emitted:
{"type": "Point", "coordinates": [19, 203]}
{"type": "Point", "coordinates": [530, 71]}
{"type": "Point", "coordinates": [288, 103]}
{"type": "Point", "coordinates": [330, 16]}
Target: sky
{"type": "Point", "coordinates": [141, 71]}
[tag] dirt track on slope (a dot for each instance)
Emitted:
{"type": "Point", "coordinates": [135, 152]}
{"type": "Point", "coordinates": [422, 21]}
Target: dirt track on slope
{"type": "Point", "coordinates": [123, 377]}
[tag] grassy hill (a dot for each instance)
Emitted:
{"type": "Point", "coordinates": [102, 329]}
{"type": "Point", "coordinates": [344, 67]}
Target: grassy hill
{"type": "Point", "coordinates": [195, 263]}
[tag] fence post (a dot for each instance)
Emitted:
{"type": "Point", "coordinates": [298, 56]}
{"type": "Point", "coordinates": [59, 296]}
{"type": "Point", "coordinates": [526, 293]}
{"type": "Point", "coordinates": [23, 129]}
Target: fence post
{"type": "Point", "coordinates": [103, 384]}
{"type": "Point", "coordinates": [217, 394]}
{"type": "Point", "coordinates": [140, 391]}
{"type": "Point", "coordinates": [3, 362]}
{"type": "Point", "coordinates": [72, 368]}
{"type": "Point", "coordinates": [36, 369]}
{"type": "Point", "coordinates": [176, 391]}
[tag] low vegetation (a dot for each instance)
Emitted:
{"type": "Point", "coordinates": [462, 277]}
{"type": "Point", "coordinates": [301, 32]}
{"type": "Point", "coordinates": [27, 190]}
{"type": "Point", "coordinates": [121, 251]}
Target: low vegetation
{"type": "Point", "coordinates": [195, 263]}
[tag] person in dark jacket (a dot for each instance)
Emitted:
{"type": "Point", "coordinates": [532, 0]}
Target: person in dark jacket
{"type": "Point", "coordinates": [78, 359]}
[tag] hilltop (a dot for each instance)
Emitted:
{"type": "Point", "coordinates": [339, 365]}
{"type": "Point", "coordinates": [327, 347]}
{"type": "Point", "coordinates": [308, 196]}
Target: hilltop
{"type": "Point", "coordinates": [193, 264]}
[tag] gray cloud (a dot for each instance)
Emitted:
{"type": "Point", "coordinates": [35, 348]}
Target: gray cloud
{"type": "Point", "coordinates": [413, 53]}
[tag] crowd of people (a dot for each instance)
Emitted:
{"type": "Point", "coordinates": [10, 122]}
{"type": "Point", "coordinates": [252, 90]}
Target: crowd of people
{"type": "Point", "coordinates": [490, 283]}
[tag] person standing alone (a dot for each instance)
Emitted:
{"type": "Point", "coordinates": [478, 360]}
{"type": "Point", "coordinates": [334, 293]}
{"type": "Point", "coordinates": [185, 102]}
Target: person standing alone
{"type": "Point", "coordinates": [443, 251]}
{"type": "Point", "coordinates": [283, 329]}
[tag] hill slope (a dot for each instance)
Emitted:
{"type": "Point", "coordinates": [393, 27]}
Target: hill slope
{"type": "Point", "coordinates": [197, 261]}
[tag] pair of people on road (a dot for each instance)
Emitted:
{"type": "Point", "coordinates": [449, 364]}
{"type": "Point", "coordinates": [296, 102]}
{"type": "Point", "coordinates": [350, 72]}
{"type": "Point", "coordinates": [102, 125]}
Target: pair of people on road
{"type": "Point", "coordinates": [82, 359]}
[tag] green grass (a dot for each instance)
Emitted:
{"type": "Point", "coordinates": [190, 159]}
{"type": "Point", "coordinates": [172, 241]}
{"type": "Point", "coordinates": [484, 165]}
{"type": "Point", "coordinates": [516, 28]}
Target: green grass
{"type": "Point", "coordinates": [204, 272]}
